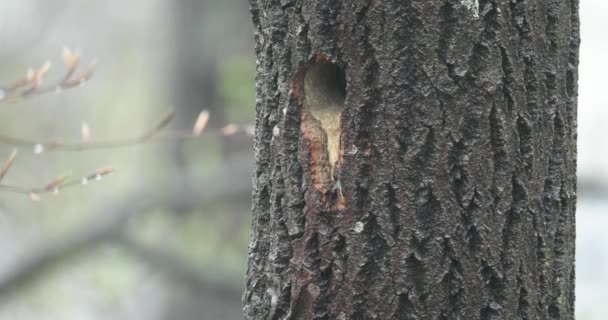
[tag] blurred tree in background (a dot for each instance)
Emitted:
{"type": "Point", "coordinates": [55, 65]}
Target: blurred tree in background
{"type": "Point", "coordinates": [165, 237]}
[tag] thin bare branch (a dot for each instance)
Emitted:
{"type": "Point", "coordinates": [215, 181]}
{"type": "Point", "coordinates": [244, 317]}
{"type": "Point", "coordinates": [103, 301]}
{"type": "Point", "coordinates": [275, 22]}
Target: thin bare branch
{"type": "Point", "coordinates": [59, 183]}
{"type": "Point", "coordinates": [31, 84]}
{"type": "Point", "coordinates": [159, 126]}
{"type": "Point", "coordinates": [40, 147]}
{"type": "Point", "coordinates": [151, 135]}
{"type": "Point", "coordinates": [8, 163]}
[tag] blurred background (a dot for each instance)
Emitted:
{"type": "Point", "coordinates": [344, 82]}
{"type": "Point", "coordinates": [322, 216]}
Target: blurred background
{"type": "Point", "coordinates": [165, 237]}
{"type": "Point", "coordinates": [181, 252]}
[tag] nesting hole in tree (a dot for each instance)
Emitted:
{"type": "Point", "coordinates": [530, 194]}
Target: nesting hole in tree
{"type": "Point", "coordinates": [324, 93]}
{"type": "Point", "coordinates": [324, 87]}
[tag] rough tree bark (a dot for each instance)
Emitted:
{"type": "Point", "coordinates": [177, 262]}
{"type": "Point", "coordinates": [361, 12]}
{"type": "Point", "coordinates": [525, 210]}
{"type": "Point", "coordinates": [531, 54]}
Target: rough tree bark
{"type": "Point", "coordinates": [454, 193]}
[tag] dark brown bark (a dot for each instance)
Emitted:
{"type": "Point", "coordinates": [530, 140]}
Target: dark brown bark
{"type": "Point", "coordinates": [457, 168]}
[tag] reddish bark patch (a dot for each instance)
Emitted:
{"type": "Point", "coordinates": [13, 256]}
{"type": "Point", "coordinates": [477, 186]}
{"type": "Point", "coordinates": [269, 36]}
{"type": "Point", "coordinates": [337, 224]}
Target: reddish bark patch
{"type": "Point", "coordinates": [319, 57]}
{"type": "Point", "coordinates": [318, 154]}
{"type": "Point", "coordinates": [331, 193]}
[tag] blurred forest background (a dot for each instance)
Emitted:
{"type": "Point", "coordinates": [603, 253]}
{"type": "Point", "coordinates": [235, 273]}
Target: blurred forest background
{"type": "Point", "coordinates": [165, 236]}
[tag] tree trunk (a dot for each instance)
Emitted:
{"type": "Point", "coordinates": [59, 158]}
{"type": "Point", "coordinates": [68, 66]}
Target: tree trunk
{"type": "Point", "coordinates": [452, 193]}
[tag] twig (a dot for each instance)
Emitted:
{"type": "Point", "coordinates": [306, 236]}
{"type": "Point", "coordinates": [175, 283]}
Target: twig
{"type": "Point", "coordinates": [40, 147]}
{"type": "Point", "coordinates": [152, 134]}
{"type": "Point", "coordinates": [61, 182]}
{"type": "Point", "coordinates": [31, 84]}
{"type": "Point", "coordinates": [7, 165]}
{"type": "Point", "coordinates": [53, 186]}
